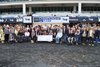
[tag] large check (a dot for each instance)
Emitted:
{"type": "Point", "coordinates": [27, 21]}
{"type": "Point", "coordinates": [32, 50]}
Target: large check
{"type": "Point", "coordinates": [48, 38]}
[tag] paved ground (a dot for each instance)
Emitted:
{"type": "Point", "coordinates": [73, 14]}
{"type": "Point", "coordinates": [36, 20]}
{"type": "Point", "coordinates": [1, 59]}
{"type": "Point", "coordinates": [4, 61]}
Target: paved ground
{"type": "Point", "coordinates": [48, 55]}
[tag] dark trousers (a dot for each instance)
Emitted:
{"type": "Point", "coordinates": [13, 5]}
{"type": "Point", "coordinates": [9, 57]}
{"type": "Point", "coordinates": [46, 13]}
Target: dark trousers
{"type": "Point", "coordinates": [6, 37]}
{"type": "Point", "coordinates": [84, 40]}
{"type": "Point", "coordinates": [26, 38]}
{"type": "Point", "coordinates": [34, 38]}
{"type": "Point", "coordinates": [91, 40]}
{"type": "Point", "coordinates": [65, 38]}
{"type": "Point", "coordinates": [78, 39]}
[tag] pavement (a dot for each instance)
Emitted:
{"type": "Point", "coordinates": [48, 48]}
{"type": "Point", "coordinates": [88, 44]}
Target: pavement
{"type": "Point", "coordinates": [48, 55]}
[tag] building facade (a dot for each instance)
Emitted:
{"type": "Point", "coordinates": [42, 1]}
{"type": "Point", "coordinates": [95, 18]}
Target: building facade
{"type": "Point", "coordinates": [50, 7]}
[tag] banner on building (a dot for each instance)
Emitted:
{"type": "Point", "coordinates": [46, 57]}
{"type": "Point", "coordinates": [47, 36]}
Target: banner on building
{"type": "Point", "coordinates": [1, 20]}
{"type": "Point", "coordinates": [88, 19]}
{"type": "Point", "coordinates": [19, 19]}
{"type": "Point", "coordinates": [98, 19]}
{"type": "Point", "coordinates": [9, 20]}
{"type": "Point", "coordinates": [73, 19]}
{"type": "Point", "coordinates": [27, 19]}
{"type": "Point", "coordinates": [52, 19]}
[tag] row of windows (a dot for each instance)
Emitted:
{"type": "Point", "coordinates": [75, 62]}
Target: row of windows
{"type": "Point", "coordinates": [12, 0]}
{"type": "Point", "coordinates": [90, 8]}
{"type": "Point", "coordinates": [10, 10]}
{"type": "Point", "coordinates": [41, 9]}
{"type": "Point", "coordinates": [38, 9]}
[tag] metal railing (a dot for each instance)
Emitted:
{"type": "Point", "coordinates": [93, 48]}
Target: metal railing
{"type": "Point", "coordinates": [12, 0]}
{"type": "Point", "coordinates": [43, 0]}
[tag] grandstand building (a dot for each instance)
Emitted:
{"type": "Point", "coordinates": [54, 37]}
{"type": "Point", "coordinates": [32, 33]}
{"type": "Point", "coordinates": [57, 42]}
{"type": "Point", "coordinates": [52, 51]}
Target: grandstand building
{"type": "Point", "coordinates": [50, 7]}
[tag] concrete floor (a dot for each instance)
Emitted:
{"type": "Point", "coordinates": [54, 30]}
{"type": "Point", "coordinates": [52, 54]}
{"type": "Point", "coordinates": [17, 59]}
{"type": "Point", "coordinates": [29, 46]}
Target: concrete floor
{"type": "Point", "coordinates": [48, 55]}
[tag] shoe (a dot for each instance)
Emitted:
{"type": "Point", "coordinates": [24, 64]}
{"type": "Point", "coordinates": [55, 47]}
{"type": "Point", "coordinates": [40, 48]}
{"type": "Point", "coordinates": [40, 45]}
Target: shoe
{"type": "Point", "coordinates": [92, 44]}
{"type": "Point", "coordinates": [2, 42]}
{"type": "Point", "coordinates": [89, 44]}
{"type": "Point", "coordinates": [32, 41]}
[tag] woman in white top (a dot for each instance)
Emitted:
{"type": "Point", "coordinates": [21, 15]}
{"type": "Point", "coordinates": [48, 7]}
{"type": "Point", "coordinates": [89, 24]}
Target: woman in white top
{"type": "Point", "coordinates": [59, 35]}
{"type": "Point", "coordinates": [27, 35]}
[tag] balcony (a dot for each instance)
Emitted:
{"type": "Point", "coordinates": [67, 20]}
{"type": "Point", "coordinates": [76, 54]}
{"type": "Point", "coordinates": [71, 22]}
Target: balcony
{"type": "Point", "coordinates": [43, 0]}
{"type": "Point", "coordinates": [12, 0]}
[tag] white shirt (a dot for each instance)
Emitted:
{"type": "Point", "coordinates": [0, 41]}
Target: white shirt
{"type": "Point", "coordinates": [0, 36]}
{"type": "Point", "coordinates": [59, 34]}
{"type": "Point", "coordinates": [91, 33]}
{"type": "Point", "coordinates": [27, 34]}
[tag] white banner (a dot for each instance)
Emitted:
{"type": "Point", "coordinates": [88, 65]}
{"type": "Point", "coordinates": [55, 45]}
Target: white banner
{"type": "Point", "coordinates": [65, 19]}
{"type": "Point", "coordinates": [1, 20]}
{"type": "Point", "coordinates": [48, 38]}
{"type": "Point", "coordinates": [52, 19]}
{"type": "Point", "coordinates": [27, 19]}
{"type": "Point", "coordinates": [99, 19]}
{"type": "Point", "coordinates": [19, 19]}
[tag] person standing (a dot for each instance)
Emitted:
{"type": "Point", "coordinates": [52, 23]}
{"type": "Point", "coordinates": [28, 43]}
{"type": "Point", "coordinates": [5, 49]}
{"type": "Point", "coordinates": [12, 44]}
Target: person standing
{"type": "Point", "coordinates": [33, 36]}
{"type": "Point", "coordinates": [1, 35]}
{"type": "Point", "coordinates": [91, 36]}
{"type": "Point", "coordinates": [84, 36]}
{"type": "Point", "coordinates": [96, 35]}
{"type": "Point", "coordinates": [65, 33]}
{"type": "Point", "coordinates": [78, 37]}
{"type": "Point", "coordinates": [59, 35]}
{"type": "Point", "coordinates": [6, 32]}
{"type": "Point", "coordinates": [11, 34]}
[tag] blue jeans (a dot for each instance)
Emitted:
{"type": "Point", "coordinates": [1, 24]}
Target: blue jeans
{"type": "Point", "coordinates": [96, 41]}
{"type": "Point", "coordinates": [78, 39]}
{"type": "Point", "coordinates": [57, 40]}
{"type": "Point", "coordinates": [65, 38]}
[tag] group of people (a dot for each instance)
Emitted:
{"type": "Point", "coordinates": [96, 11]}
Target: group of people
{"type": "Point", "coordinates": [86, 34]}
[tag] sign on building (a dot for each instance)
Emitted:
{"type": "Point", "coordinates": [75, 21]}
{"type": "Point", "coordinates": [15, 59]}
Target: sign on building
{"type": "Point", "coordinates": [27, 19]}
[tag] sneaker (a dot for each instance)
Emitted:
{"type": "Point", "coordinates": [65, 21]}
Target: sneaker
{"type": "Point", "coordinates": [92, 44]}
{"type": "Point", "coordinates": [32, 41]}
{"type": "Point", "coordinates": [89, 44]}
{"type": "Point", "coordinates": [2, 42]}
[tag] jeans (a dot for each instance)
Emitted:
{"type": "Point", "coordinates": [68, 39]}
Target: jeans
{"type": "Point", "coordinates": [78, 39]}
{"type": "Point", "coordinates": [96, 41]}
{"type": "Point", "coordinates": [26, 38]}
{"type": "Point", "coordinates": [91, 40]}
{"type": "Point", "coordinates": [65, 38]}
{"type": "Point", "coordinates": [57, 39]}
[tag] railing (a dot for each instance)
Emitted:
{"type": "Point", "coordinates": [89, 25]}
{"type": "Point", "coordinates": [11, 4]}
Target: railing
{"type": "Point", "coordinates": [54, 14]}
{"type": "Point", "coordinates": [43, 0]}
{"type": "Point", "coordinates": [66, 14]}
{"type": "Point", "coordinates": [12, 0]}
{"type": "Point", "coordinates": [10, 13]}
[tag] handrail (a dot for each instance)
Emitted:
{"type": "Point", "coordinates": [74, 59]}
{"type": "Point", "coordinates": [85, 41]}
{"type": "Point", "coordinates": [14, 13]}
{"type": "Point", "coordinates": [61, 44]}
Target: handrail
{"type": "Point", "coordinates": [43, 0]}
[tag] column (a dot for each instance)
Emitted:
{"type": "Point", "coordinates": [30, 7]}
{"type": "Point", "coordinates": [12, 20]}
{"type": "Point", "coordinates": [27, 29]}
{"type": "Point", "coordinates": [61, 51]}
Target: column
{"type": "Point", "coordinates": [24, 9]}
{"type": "Point", "coordinates": [30, 9]}
{"type": "Point", "coordinates": [74, 8]}
{"type": "Point", "coordinates": [79, 7]}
